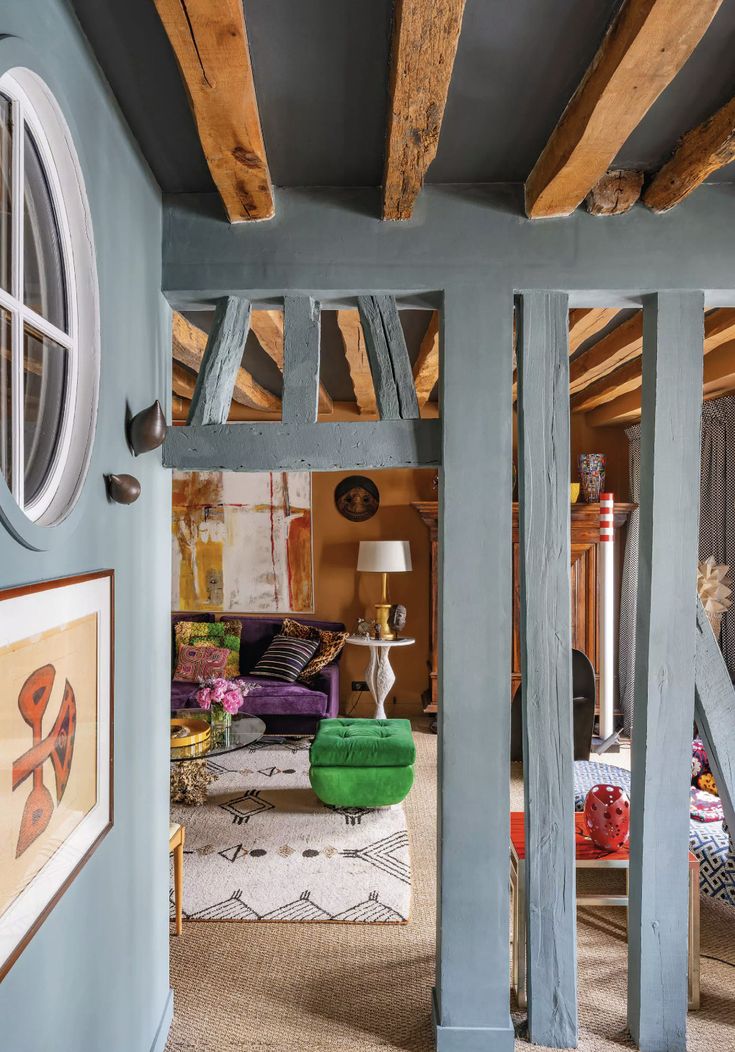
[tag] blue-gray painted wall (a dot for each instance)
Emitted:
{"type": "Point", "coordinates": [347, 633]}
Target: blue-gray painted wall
{"type": "Point", "coordinates": [95, 977]}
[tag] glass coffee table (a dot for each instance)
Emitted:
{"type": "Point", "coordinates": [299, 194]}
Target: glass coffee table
{"type": "Point", "coordinates": [190, 777]}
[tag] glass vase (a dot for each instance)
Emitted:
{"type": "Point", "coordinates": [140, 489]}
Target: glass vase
{"type": "Point", "coordinates": [591, 475]}
{"type": "Point", "coordinates": [219, 719]}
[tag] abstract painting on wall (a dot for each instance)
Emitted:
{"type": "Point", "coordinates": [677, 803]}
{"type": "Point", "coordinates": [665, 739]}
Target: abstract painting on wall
{"type": "Point", "coordinates": [55, 744]}
{"type": "Point", "coordinates": [242, 542]}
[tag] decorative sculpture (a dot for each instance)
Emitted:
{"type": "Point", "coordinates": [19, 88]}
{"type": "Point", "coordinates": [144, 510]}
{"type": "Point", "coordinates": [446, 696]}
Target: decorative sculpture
{"type": "Point", "coordinates": [365, 628]}
{"type": "Point", "coordinates": [147, 429]}
{"type": "Point", "coordinates": [607, 817]}
{"type": "Point", "coordinates": [397, 619]}
{"type": "Point", "coordinates": [714, 591]}
{"type": "Point", "coordinates": [122, 489]}
{"type": "Point", "coordinates": [357, 498]}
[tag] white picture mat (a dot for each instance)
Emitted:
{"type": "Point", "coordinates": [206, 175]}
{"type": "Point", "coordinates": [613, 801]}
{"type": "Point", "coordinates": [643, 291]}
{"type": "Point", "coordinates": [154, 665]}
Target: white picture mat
{"type": "Point", "coordinates": [30, 615]}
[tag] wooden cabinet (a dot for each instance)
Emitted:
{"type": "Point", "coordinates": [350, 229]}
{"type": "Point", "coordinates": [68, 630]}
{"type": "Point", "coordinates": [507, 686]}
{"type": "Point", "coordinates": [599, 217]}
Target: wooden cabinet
{"type": "Point", "coordinates": [585, 541]}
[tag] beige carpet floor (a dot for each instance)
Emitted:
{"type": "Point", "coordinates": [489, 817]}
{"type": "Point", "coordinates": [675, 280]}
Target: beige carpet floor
{"type": "Point", "coordinates": [350, 988]}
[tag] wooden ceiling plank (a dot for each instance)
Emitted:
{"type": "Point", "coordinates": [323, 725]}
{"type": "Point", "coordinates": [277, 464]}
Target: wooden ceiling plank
{"type": "Point", "coordinates": [619, 345]}
{"type": "Point", "coordinates": [587, 322]}
{"type": "Point", "coordinates": [353, 338]}
{"type": "Point", "coordinates": [703, 150]}
{"type": "Point", "coordinates": [183, 380]}
{"type": "Point", "coordinates": [209, 40]}
{"type": "Point", "coordinates": [718, 380]}
{"type": "Point", "coordinates": [426, 366]}
{"type": "Point", "coordinates": [268, 328]}
{"type": "Point", "coordinates": [719, 329]}
{"type": "Point", "coordinates": [425, 38]}
{"type": "Point", "coordinates": [644, 48]}
{"type": "Point", "coordinates": [189, 343]}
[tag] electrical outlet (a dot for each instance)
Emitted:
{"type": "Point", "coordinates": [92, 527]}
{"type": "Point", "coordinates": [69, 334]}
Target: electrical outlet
{"type": "Point", "coordinates": [359, 684]}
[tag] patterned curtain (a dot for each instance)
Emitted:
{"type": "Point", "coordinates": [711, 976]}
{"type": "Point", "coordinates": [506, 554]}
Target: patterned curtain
{"type": "Point", "coordinates": [717, 508]}
{"type": "Point", "coordinates": [716, 533]}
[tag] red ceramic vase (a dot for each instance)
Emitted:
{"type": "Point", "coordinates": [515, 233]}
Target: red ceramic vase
{"type": "Point", "coordinates": [607, 817]}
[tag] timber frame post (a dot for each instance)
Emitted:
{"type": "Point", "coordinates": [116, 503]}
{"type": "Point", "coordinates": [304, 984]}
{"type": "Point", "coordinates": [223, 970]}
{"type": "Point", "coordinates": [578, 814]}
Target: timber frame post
{"type": "Point", "coordinates": [673, 333]}
{"type": "Point", "coordinates": [546, 667]}
{"type": "Point", "coordinates": [472, 1004]}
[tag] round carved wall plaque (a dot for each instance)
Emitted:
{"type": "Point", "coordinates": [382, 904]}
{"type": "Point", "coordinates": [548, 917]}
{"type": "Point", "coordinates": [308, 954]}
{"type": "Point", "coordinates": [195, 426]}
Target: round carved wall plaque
{"type": "Point", "coordinates": [357, 498]}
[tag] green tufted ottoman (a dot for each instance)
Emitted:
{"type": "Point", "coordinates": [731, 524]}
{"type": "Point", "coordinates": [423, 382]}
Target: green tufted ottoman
{"type": "Point", "coordinates": [362, 763]}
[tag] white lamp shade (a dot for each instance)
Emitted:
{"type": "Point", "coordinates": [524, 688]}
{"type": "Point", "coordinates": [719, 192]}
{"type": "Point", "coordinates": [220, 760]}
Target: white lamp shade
{"type": "Point", "coordinates": [384, 556]}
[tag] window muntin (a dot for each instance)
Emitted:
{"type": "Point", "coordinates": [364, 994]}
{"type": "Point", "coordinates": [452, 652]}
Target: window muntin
{"type": "Point", "coordinates": [37, 298]}
{"type": "Point", "coordinates": [44, 279]}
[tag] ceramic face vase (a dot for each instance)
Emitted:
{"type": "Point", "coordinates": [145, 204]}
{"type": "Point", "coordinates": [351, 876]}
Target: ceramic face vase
{"type": "Point", "coordinates": [607, 817]}
{"type": "Point", "coordinates": [591, 475]}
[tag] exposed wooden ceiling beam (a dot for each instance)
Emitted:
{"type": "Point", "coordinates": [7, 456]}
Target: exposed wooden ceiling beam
{"type": "Point", "coordinates": [426, 366]}
{"type": "Point", "coordinates": [615, 193]}
{"type": "Point", "coordinates": [587, 322]}
{"type": "Point", "coordinates": [425, 38]}
{"type": "Point", "coordinates": [268, 328]}
{"type": "Point", "coordinates": [719, 329]}
{"type": "Point", "coordinates": [210, 43]}
{"type": "Point", "coordinates": [189, 343]}
{"type": "Point", "coordinates": [704, 149]}
{"type": "Point", "coordinates": [183, 380]}
{"type": "Point", "coordinates": [644, 48]}
{"type": "Point", "coordinates": [353, 339]}
{"type": "Point", "coordinates": [718, 380]}
{"type": "Point", "coordinates": [619, 345]}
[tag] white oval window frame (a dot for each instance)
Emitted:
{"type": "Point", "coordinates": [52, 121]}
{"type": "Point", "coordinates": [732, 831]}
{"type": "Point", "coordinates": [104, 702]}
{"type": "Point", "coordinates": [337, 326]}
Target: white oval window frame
{"type": "Point", "coordinates": [56, 510]}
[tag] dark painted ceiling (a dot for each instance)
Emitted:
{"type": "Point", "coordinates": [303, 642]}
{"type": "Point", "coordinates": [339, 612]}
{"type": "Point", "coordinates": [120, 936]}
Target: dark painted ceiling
{"type": "Point", "coordinates": [321, 74]}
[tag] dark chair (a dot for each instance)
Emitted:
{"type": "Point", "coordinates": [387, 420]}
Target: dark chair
{"type": "Point", "coordinates": [583, 710]}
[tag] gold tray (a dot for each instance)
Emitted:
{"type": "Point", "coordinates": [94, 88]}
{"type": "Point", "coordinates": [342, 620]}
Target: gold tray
{"type": "Point", "coordinates": [199, 731]}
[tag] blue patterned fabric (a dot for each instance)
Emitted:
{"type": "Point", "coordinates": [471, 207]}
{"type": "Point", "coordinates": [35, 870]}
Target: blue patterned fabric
{"type": "Point", "coordinates": [709, 842]}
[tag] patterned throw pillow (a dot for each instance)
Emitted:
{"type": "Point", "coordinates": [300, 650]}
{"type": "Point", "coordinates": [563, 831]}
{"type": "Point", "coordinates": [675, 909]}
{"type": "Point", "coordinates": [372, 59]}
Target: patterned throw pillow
{"type": "Point", "coordinates": [213, 634]}
{"type": "Point", "coordinates": [285, 658]}
{"type": "Point", "coordinates": [330, 645]}
{"type": "Point", "coordinates": [704, 806]}
{"type": "Point", "coordinates": [197, 662]}
{"type": "Point", "coordinates": [702, 777]}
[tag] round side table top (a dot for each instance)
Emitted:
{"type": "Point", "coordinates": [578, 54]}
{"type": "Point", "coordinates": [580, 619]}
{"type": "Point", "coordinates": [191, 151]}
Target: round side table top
{"type": "Point", "coordinates": [366, 641]}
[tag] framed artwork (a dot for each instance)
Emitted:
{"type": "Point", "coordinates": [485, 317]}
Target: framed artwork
{"type": "Point", "coordinates": [242, 542]}
{"type": "Point", "coordinates": [56, 681]}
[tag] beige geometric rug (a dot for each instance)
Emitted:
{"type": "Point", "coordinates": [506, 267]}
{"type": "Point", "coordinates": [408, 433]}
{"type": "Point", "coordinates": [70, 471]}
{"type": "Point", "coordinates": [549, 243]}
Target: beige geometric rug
{"type": "Point", "coordinates": [264, 848]}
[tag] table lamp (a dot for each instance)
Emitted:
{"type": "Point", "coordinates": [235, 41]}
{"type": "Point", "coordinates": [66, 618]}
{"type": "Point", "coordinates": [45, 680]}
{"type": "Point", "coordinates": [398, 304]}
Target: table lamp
{"type": "Point", "coordinates": [384, 557]}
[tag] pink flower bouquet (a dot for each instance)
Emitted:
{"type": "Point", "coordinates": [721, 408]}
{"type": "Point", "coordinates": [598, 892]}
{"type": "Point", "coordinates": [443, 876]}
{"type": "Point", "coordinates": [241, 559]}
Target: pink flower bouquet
{"type": "Point", "coordinates": [221, 696]}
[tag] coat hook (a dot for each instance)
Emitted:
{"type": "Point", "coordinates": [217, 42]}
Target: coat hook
{"type": "Point", "coordinates": [147, 429]}
{"type": "Point", "coordinates": [122, 489]}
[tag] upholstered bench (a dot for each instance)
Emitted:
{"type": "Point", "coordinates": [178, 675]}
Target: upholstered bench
{"type": "Point", "coordinates": [362, 763]}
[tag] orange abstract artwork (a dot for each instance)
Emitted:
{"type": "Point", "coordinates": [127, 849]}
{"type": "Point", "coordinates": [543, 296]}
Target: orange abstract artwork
{"type": "Point", "coordinates": [242, 542]}
{"type": "Point", "coordinates": [48, 743]}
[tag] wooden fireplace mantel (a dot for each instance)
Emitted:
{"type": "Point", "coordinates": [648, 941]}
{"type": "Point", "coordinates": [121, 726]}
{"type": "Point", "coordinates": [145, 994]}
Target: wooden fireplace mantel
{"type": "Point", "coordinates": [585, 519]}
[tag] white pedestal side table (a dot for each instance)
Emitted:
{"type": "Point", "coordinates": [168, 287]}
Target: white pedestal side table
{"type": "Point", "coordinates": [379, 674]}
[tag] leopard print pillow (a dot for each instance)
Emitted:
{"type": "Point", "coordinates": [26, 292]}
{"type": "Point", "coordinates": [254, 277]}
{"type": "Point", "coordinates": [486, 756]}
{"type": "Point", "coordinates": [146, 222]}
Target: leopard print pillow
{"type": "Point", "coordinates": [330, 645]}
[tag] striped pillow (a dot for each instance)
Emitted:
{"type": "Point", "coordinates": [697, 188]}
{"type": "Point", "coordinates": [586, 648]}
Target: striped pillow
{"type": "Point", "coordinates": [285, 658]}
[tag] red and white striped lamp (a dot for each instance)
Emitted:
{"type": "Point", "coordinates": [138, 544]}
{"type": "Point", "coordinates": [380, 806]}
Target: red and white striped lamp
{"type": "Point", "coordinates": [607, 613]}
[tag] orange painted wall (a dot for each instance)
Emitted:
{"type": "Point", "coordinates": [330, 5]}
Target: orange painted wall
{"type": "Point", "coordinates": [341, 594]}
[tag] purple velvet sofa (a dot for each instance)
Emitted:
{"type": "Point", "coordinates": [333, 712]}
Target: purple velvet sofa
{"type": "Point", "coordinates": [286, 708]}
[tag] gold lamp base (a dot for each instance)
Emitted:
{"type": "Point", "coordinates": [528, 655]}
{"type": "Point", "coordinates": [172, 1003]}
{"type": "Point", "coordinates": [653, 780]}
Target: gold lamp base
{"type": "Point", "coordinates": [382, 610]}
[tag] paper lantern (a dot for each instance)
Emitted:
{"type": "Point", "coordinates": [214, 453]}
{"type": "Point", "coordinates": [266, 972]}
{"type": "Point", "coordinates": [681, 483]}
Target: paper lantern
{"type": "Point", "coordinates": [607, 816]}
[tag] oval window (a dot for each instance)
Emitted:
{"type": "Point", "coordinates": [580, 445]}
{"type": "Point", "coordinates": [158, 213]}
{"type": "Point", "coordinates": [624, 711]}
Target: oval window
{"type": "Point", "coordinates": [49, 329]}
